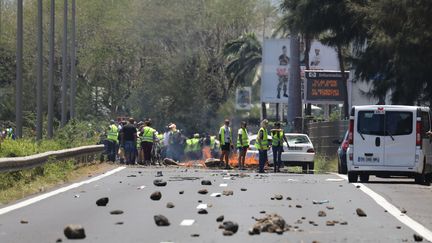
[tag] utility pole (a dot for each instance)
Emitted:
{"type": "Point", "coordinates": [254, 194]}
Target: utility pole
{"type": "Point", "coordinates": [51, 71]}
{"type": "Point", "coordinates": [64, 67]}
{"type": "Point", "coordinates": [73, 63]}
{"type": "Point", "coordinates": [19, 70]}
{"type": "Point", "coordinates": [39, 75]}
{"type": "Point", "coordinates": [294, 97]}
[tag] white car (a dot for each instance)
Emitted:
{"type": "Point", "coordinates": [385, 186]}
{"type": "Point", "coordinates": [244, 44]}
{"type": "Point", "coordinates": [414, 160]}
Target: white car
{"type": "Point", "coordinates": [299, 153]}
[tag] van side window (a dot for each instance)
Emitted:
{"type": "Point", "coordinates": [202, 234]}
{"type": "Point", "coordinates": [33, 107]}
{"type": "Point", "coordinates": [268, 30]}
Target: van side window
{"type": "Point", "coordinates": [370, 123]}
{"type": "Point", "coordinates": [425, 120]}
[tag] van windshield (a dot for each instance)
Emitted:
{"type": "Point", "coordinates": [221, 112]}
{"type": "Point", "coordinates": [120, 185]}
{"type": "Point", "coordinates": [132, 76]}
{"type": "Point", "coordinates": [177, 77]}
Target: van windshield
{"type": "Point", "coordinates": [390, 123]}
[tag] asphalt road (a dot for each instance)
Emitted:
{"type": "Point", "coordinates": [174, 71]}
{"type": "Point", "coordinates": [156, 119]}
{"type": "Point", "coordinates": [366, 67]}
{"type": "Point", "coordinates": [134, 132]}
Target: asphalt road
{"type": "Point", "coordinates": [129, 190]}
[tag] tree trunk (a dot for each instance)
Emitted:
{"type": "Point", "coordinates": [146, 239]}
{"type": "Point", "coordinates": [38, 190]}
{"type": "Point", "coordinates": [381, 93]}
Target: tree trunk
{"type": "Point", "coordinates": [64, 67]}
{"type": "Point", "coordinates": [73, 64]}
{"type": "Point", "coordinates": [39, 72]}
{"type": "Point", "coordinates": [294, 97]}
{"type": "Point", "coordinates": [19, 70]}
{"type": "Point", "coordinates": [51, 71]}
{"type": "Point", "coordinates": [344, 82]}
{"type": "Point", "coordinates": [264, 110]}
{"type": "Point", "coordinates": [308, 43]}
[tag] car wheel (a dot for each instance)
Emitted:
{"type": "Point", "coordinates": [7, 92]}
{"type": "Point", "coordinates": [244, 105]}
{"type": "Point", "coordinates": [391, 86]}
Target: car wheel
{"type": "Point", "coordinates": [344, 168]}
{"type": "Point", "coordinates": [364, 178]}
{"type": "Point", "coordinates": [422, 178]}
{"type": "Point", "coordinates": [339, 166]}
{"type": "Point", "coordinates": [304, 168]}
{"type": "Point", "coordinates": [352, 177]}
{"type": "Point", "coordinates": [311, 167]}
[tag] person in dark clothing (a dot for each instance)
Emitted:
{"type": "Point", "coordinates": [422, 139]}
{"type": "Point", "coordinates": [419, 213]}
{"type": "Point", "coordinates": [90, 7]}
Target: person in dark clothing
{"type": "Point", "coordinates": [148, 137]}
{"type": "Point", "coordinates": [129, 140]}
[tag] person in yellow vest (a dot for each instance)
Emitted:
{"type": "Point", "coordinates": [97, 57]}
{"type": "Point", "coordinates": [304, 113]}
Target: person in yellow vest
{"type": "Point", "coordinates": [262, 145]}
{"type": "Point", "coordinates": [278, 137]}
{"type": "Point", "coordinates": [242, 144]}
{"type": "Point", "coordinates": [196, 146]}
{"type": "Point", "coordinates": [148, 137]}
{"type": "Point", "coordinates": [225, 138]}
{"type": "Point", "coordinates": [112, 141]}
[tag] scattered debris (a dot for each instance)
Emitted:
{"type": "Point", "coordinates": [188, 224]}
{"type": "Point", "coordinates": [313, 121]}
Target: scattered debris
{"type": "Point", "coordinates": [203, 191]}
{"type": "Point", "coordinates": [322, 214]}
{"type": "Point", "coordinates": [360, 212]}
{"type": "Point", "coordinates": [23, 221]}
{"type": "Point", "coordinates": [59, 240]}
{"type": "Point", "coordinates": [418, 238]}
{"type": "Point", "coordinates": [168, 161]}
{"type": "Point", "coordinates": [141, 187]}
{"type": "Point", "coordinates": [272, 223]}
{"type": "Point", "coordinates": [358, 186]}
{"type": "Point", "coordinates": [159, 174]}
{"type": "Point", "coordinates": [74, 231]}
{"type": "Point", "coordinates": [330, 223]}
{"type": "Point", "coordinates": [181, 192]}
{"type": "Point", "coordinates": [102, 202]}
{"type": "Point", "coordinates": [220, 218]}
{"type": "Point", "coordinates": [156, 196]}
{"type": "Point", "coordinates": [76, 196]}
{"type": "Point", "coordinates": [228, 193]}
{"type": "Point", "coordinates": [298, 206]}
{"type": "Point", "coordinates": [131, 176]}
{"type": "Point", "coordinates": [170, 205]}
{"type": "Point", "coordinates": [289, 198]}
{"type": "Point", "coordinates": [161, 220]}
{"type": "Point", "coordinates": [330, 207]}
{"type": "Point", "coordinates": [159, 182]}
{"type": "Point", "coordinates": [343, 223]}
{"type": "Point", "coordinates": [243, 189]}
{"type": "Point", "coordinates": [262, 211]}
{"type": "Point", "coordinates": [206, 183]}
{"type": "Point", "coordinates": [187, 222]}
{"type": "Point", "coordinates": [278, 197]}
{"type": "Point", "coordinates": [195, 235]}
{"type": "Point", "coordinates": [212, 162]}
{"type": "Point", "coordinates": [230, 227]}
{"type": "Point", "coordinates": [202, 211]}
{"type": "Point", "coordinates": [403, 210]}
{"type": "Point", "coordinates": [320, 201]}
{"type": "Point", "coordinates": [116, 212]}
{"type": "Point", "coordinates": [119, 223]}
{"type": "Point", "coordinates": [398, 227]}
{"type": "Point", "coordinates": [227, 233]}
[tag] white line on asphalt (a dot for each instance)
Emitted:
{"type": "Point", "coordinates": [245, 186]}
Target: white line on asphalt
{"type": "Point", "coordinates": [405, 219]}
{"type": "Point", "coordinates": [55, 192]}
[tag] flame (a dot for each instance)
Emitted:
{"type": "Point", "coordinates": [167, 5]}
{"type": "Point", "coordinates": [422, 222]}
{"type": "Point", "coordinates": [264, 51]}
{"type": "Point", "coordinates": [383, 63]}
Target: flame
{"type": "Point", "coordinates": [206, 152]}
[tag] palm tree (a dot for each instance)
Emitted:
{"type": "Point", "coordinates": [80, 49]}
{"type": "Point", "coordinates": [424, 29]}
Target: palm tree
{"type": "Point", "coordinates": [244, 56]}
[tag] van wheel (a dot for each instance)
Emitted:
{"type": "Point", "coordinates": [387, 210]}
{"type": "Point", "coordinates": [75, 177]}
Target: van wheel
{"type": "Point", "coordinates": [311, 167]}
{"type": "Point", "coordinates": [422, 179]}
{"type": "Point", "coordinates": [352, 177]}
{"type": "Point", "coordinates": [364, 178]}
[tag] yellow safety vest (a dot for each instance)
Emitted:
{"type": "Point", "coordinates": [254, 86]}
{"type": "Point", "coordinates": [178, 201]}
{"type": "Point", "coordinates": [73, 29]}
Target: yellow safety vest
{"type": "Point", "coordinates": [222, 135]}
{"type": "Point", "coordinates": [277, 138]}
{"type": "Point", "coordinates": [244, 142]}
{"type": "Point", "coordinates": [147, 134]}
{"type": "Point", "coordinates": [262, 144]}
{"type": "Point", "coordinates": [112, 133]}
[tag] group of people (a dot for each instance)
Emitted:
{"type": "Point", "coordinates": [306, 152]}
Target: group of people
{"type": "Point", "coordinates": [139, 143]}
{"type": "Point", "coordinates": [262, 144]}
{"type": "Point", "coordinates": [8, 133]}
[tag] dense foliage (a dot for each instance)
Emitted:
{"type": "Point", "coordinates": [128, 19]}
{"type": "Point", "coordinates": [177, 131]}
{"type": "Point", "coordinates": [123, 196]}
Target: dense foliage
{"type": "Point", "coordinates": [159, 59]}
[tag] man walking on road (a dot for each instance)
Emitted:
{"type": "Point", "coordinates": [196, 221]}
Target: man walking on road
{"type": "Point", "coordinates": [242, 144]}
{"type": "Point", "coordinates": [129, 140]}
{"type": "Point", "coordinates": [278, 137]}
{"type": "Point", "coordinates": [112, 141]}
{"type": "Point", "coordinates": [225, 138]}
{"type": "Point", "coordinates": [262, 145]}
{"type": "Point", "coordinates": [148, 137]}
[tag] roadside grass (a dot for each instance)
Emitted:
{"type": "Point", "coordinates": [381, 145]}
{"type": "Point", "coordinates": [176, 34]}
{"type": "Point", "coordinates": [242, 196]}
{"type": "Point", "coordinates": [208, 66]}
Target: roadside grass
{"type": "Point", "coordinates": [20, 184]}
{"type": "Point", "coordinates": [323, 164]}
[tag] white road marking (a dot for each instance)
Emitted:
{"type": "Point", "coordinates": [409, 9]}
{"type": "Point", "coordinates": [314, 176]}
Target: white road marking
{"type": "Point", "coordinates": [55, 192]}
{"type": "Point", "coordinates": [202, 206]}
{"type": "Point", "coordinates": [223, 185]}
{"type": "Point", "coordinates": [405, 219]}
{"type": "Point", "coordinates": [332, 179]}
{"type": "Point", "coordinates": [187, 222]}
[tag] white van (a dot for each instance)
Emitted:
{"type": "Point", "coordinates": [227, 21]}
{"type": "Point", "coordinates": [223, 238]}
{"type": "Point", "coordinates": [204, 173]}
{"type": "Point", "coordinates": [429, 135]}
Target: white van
{"type": "Point", "coordinates": [386, 140]}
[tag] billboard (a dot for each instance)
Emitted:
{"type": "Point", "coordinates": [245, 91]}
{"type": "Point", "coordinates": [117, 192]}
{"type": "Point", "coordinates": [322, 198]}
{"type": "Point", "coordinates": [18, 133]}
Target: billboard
{"type": "Point", "coordinates": [275, 71]}
{"type": "Point", "coordinates": [324, 86]}
{"type": "Point", "coordinates": [243, 98]}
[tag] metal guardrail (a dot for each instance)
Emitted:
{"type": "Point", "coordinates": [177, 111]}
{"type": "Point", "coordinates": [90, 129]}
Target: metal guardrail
{"type": "Point", "coordinates": [81, 154]}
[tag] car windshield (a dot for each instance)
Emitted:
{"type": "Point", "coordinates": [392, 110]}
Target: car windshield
{"type": "Point", "coordinates": [297, 139]}
{"type": "Point", "coordinates": [391, 123]}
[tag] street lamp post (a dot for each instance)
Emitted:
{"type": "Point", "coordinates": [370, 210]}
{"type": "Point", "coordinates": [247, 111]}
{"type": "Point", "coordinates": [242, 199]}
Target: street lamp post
{"type": "Point", "coordinates": [73, 63]}
{"type": "Point", "coordinates": [64, 67]}
{"type": "Point", "coordinates": [51, 71]}
{"type": "Point", "coordinates": [19, 70]}
{"type": "Point", "coordinates": [39, 75]}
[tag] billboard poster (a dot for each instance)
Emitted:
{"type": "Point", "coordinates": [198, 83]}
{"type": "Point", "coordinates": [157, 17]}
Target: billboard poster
{"type": "Point", "coordinates": [275, 71]}
{"type": "Point", "coordinates": [243, 98]}
{"type": "Point", "coordinates": [324, 87]}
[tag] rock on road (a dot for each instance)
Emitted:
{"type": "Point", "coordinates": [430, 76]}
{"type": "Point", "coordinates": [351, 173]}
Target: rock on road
{"type": "Point", "coordinates": [315, 208]}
